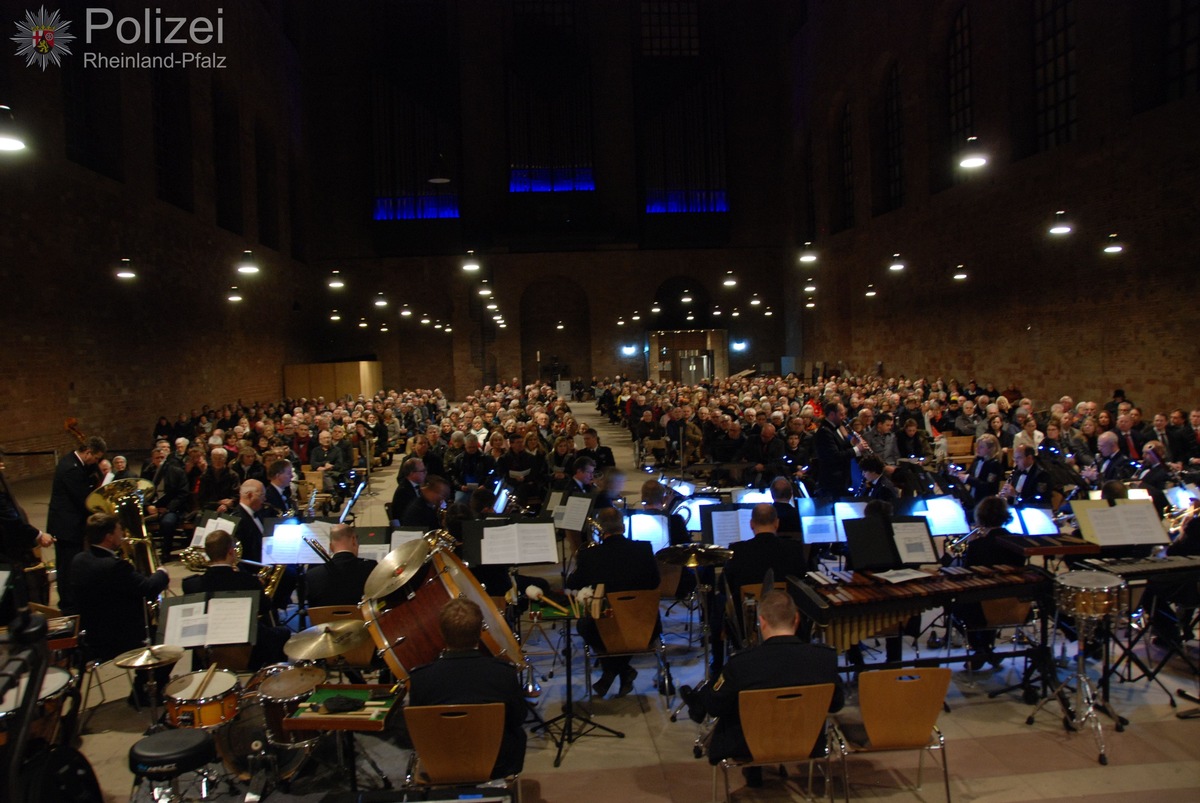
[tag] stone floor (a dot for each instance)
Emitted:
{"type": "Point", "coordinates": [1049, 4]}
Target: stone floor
{"type": "Point", "coordinates": [993, 754]}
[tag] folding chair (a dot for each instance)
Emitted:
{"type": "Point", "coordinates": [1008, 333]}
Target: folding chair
{"type": "Point", "coordinates": [455, 744]}
{"type": "Point", "coordinates": [629, 631]}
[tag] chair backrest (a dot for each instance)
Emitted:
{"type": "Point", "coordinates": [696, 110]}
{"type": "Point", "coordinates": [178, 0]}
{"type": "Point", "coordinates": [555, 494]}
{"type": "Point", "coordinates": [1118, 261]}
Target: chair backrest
{"type": "Point", "coordinates": [456, 743]}
{"type": "Point", "coordinates": [782, 725]}
{"type": "Point", "coordinates": [960, 445]}
{"type": "Point", "coordinates": [669, 576]}
{"type": "Point", "coordinates": [634, 614]}
{"type": "Point", "coordinates": [361, 655]}
{"type": "Point", "coordinates": [234, 657]}
{"type": "Point", "coordinates": [901, 706]}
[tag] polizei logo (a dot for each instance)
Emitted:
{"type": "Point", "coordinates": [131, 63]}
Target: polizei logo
{"type": "Point", "coordinates": [43, 38]}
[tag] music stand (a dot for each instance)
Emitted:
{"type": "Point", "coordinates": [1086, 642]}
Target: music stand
{"type": "Point", "coordinates": [567, 731]}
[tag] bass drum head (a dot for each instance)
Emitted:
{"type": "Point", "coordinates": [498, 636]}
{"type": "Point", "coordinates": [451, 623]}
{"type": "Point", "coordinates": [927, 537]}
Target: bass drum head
{"type": "Point", "coordinates": [246, 735]}
{"type": "Point", "coordinates": [497, 635]}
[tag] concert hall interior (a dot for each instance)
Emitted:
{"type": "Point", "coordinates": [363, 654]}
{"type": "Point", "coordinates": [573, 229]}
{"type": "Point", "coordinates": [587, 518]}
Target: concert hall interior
{"type": "Point", "coordinates": [334, 199]}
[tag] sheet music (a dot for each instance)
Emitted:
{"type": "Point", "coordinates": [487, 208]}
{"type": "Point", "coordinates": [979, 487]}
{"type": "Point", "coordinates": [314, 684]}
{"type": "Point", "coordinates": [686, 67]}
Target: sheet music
{"type": "Point", "coordinates": [375, 552]}
{"type": "Point", "coordinates": [1140, 523]}
{"type": "Point", "coordinates": [819, 529]}
{"type": "Point", "coordinates": [210, 526]}
{"type": "Point", "coordinates": [912, 542]}
{"type": "Point", "coordinates": [575, 513]}
{"type": "Point", "coordinates": [286, 545]}
{"type": "Point", "coordinates": [901, 575]}
{"type": "Point", "coordinates": [230, 620]}
{"type": "Point", "coordinates": [499, 545]}
{"type": "Point", "coordinates": [728, 526]}
{"type": "Point", "coordinates": [536, 542]}
{"type": "Point", "coordinates": [1107, 528]}
{"type": "Point", "coordinates": [186, 625]}
{"type": "Point", "coordinates": [554, 501]}
{"type": "Point", "coordinates": [401, 537]}
{"type": "Point", "coordinates": [519, 476]}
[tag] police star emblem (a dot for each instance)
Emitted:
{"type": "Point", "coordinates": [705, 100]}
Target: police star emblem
{"type": "Point", "coordinates": [43, 38]}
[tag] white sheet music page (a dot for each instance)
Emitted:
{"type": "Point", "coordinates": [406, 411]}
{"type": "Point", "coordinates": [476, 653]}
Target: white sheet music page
{"type": "Point", "coordinates": [727, 527]}
{"type": "Point", "coordinates": [375, 552]}
{"type": "Point", "coordinates": [499, 545]}
{"type": "Point", "coordinates": [287, 545]}
{"type": "Point", "coordinates": [401, 537]}
{"type": "Point", "coordinates": [1140, 523]}
{"type": "Point", "coordinates": [187, 625]}
{"type": "Point", "coordinates": [229, 620]}
{"type": "Point", "coordinates": [575, 513]}
{"type": "Point", "coordinates": [912, 542]}
{"type": "Point", "coordinates": [536, 542]}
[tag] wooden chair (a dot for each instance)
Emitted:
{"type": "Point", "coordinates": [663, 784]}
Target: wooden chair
{"type": "Point", "coordinates": [234, 657]}
{"type": "Point", "coordinates": [629, 630]}
{"type": "Point", "coordinates": [361, 656]}
{"type": "Point", "coordinates": [781, 726]}
{"type": "Point", "coordinates": [899, 708]}
{"type": "Point", "coordinates": [454, 744]}
{"type": "Point", "coordinates": [960, 449]}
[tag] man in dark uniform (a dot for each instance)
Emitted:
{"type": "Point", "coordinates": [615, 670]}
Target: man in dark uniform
{"type": "Point", "coordinates": [68, 514]}
{"type": "Point", "coordinates": [425, 510]}
{"type": "Point", "coordinates": [408, 485]}
{"type": "Point", "coordinates": [781, 494]}
{"type": "Point", "coordinates": [18, 539]}
{"type": "Point", "coordinates": [1028, 486]}
{"type": "Point", "coordinates": [111, 596]}
{"type": "Point", "coordinates": [341, 580]}
{"type": "Point", "coordinates": [592, 448]}
{"type": "Point", "coordinates": [985, 550]}
{"type": "Point", "coordinates": [621, 565]}
{"type": "Point", "coordinates": [876, 484]}
{"type": "Point", "coordinates": [1111, 464]}
{"type": "Point", "coordinates": [223, 575]}
{"type": "Point", "coordinates": [249, 514]}
{"type": "Point", "coordinates": [781, 660]}
{"type": "Point", "coordinates": [463, 675]}
{"type": "Point", "coordinates": [279, 497]}
{"type": "Point", "coordinates": [834, 451]}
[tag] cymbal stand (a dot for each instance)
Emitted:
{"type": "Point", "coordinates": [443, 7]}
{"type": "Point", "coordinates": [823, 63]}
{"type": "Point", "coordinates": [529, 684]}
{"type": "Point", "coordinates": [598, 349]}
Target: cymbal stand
{"type": "Point", "coordinates": [1087, 702]}
{"type": "Point", "coordinates": [702, 590]}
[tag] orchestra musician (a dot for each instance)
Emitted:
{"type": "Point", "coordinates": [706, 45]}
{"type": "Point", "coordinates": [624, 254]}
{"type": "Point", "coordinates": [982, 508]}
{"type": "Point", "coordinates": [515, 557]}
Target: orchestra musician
{"type": "Point", "coordinates": [780, 660]}
{"type": "Point", "coordinates": [1110, 463]}
{"type": "Point", "coordinates": [835, 448]}
{"type": "Point", "coordinates": [1152, 474]}
{"type": "Point", "coordinates": [68, 515]}
{"type": "Point", "coordinates": [781, 496]}
{"type": "Point", "coordinates": [620, 565]}
{"type": "Point", "coordinates": [223, 575]}
{"type": "Point", "coordinates": [1171, 600]}
{"type": "Point", "coordinates": [249, 514]}
{"type": "Point", "coordinates": [18, 540]}
{"type": "Point", "coordinates": [339, 581]}
{"type": "Point", "coordinates": [985, 550]}
{"type": "Point", "coordinates": [408, 486]}
{"type": "Point", "coordinates": [876, 484]}
{"type": "Point", "coordinates": [1029, 485]}
{"type": "Point", "coordinates": [279, 500]}
{"type": "Point", "coordinates": [425, 510]}
{"type": "Point", "coordinates": [983, 475]}
{"type": "Point", "coordinates": [463, 675]}
{"type": "Point", "coordinates": [110, 596]}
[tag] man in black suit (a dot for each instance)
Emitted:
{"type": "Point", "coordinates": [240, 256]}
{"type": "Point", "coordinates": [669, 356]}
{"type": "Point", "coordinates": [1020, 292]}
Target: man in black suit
{"type": "Point", "coordinates": [765, 550]}
{"type": "Point", "coordinates": [110, 595]}
{"type": "Point", "coordinates": [1029, 485]}
{"type": "Point", "coordinates": [408, 484]}
{"type": "Point", "coordinates": [781, 660]}
{"type": "Point", "coordinates": [18, 538]}
{"type": "Point", "coordinates": [834, 451]}
{"type": "Point", "coordinates": [1152, 475]}
{"type": "Point", "coordinates": [621, 565]}
{"type": "Point", "coordinates": [592, 448]}
{"type": "Point", "coordinates": [171, 500]}
{"type": "Point", "coordinates": [580, 482]}
{"type": "Point", "coordinates": [1129, 439]}
{"type": "Point", "coordinates": [789, 517]}
{"type": "Point", "coordinates": [223, 575]}
{"type": "Point", "coordinates": [425, 510]}
{"type": "Point", "coordinates": [463, 675]}
{"type": "Point", "coordinates": [249, 515]}
{"type": "Point", "coordinates": [341, 580]}
{"type": "Point", "coordinates": [1112, 465]}
{"type": "Point", "coordinates": [68, 514]}
{"type": "Point", "coordinates": [279, 499]}
{"type": "Point", "coordinates": [764, 454]}
{"type": "Point", "coordinates": [876, 484]}
{"type": "Point", "coordinates": [522, 470]}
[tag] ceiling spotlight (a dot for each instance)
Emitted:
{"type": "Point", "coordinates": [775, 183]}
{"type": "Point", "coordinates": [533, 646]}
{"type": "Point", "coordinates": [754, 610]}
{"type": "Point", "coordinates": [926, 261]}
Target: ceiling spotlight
{"type": "Point", "coordinates": [470, 267]}
{"type": "Point", "coordinates": [730, 281]}
{"type": "Point", "coordinates": [1061, 225]}
{"type": "Point", "coordinates": [497, 317]}
{"type": "Point", "coordinates": [811, 304]}
{"type": "Point", "coordinates": [691, 317]}
{"type": "Point", "coordinates": [380, 301]}
{"type": "Point", "coordinates": [635, 316]}
{"type": "Point", "coordinates": [503, 326]}
{"type": "Point", "coordinates": [620, 321]}
{"type": "Point", "coordinates": [755, 301]}
{"type": "Point", "coordinates": [767, 312]}
{"type": "Point", "coordinates": [897, 263]}
{"type": "Point", "coordinates": [447, 330]}
{"type": "Point", "coordinates": [383, 328]}
{"type": "Point", "coordinates": [405, 311]}
{"type": "Point", "coordinates": [493, 306]}
{"type": "Point", "coordinates": [234, 295]}
{"type": "Point", "coordinates": [870, 291]}
{"type": "Point", "coordinates": [656, 309]}
{"type": "Point", "coordinates": [247, 263]}
{"type": "Point", "coordinates": [735, 313]}
{"type": "Point", "coordinates": [559, 325]}
{"type": "Point", "coordinates": [426, 320]}
{"type": "Point", "coordinates": [335, 316]}
{"type": "Point", "coordinates": [686, 298]}
{"type": "Point", "coordinates": [808, 255]}
{"type": "Point", "coordinates": [484, 290]}
{"type": "Point", "coordinates": [439, 172]}
{"type": "Point", "coordinates": [335, 281]}
{"type": "Point", "coordinates": [810, 288]}
{"type": "Point", "coordinates": [972, 156]}
{"type": "Point", "coordinates": [362, 323]}
{"type": "Point", "coordinates": [126, 271]}
{"type": "Point", "coordinates": [960, 273]}
{"type": "Point", "coordinates": [437, 324]}
{"type": "Point", "coordinates": [716, 312]}
{"type": "Point", "coordinates": [1112, 246]}
{"type": "Point", "coordinates": [10, 136]}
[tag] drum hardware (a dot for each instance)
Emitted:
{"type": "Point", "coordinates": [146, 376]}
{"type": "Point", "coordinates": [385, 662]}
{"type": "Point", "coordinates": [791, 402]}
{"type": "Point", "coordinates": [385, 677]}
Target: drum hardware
{"type": "Point", "coordinates": [327, 640]}
{"type": "Point", "coordinates": [1093, 599]}
{"type": "Point", "coordinates": [282, 689]}
{"type": "Point", "coordinates": [150, 658]}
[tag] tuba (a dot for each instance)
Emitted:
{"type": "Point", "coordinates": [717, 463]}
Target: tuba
{"type": "Point", "coordinates": [126, 499]}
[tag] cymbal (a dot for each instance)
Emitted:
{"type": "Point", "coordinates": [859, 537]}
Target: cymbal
{"type": "Point", "coordinates": [327, 641]}
{"type": "Point", "coordinates": [149, 657]}
{"type": "Point", "coordinates": [694, 555]}
{"type": "Point", "coordinates": [397, 568]}
{"type": "Point", "coordinates": [104, 499]}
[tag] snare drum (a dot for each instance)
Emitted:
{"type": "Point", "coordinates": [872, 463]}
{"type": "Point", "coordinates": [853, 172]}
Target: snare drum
{"type": "Point", "coordinates": [282, 689]}
{"type": "Point", "coordinates": [218, 705]}
{"type": "Point", "coordinates": [55, 686]}
{"type": "Point", "coordinates": [407, 633]}
{"type": "Point", "coordinates": [1090, 596]}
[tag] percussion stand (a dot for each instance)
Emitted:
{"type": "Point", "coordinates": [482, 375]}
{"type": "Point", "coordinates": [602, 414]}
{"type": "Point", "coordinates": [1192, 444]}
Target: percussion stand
{"type": "Point", "coordinates": [1129, 659]}
{"type": "Point", "coordinates": [1086, 697]}
{"type": "Point", "coordinates": [567, 731]}
{"type": "Point", "coordinates": [702, 590]}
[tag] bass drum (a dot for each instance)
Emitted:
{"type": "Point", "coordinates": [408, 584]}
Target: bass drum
{"type": "Point", "coordinates": [407, 633]}
{"type": "Point", "coordinates": [56, 685]}
{"type": "Point", "coordinates": [246, 736]}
